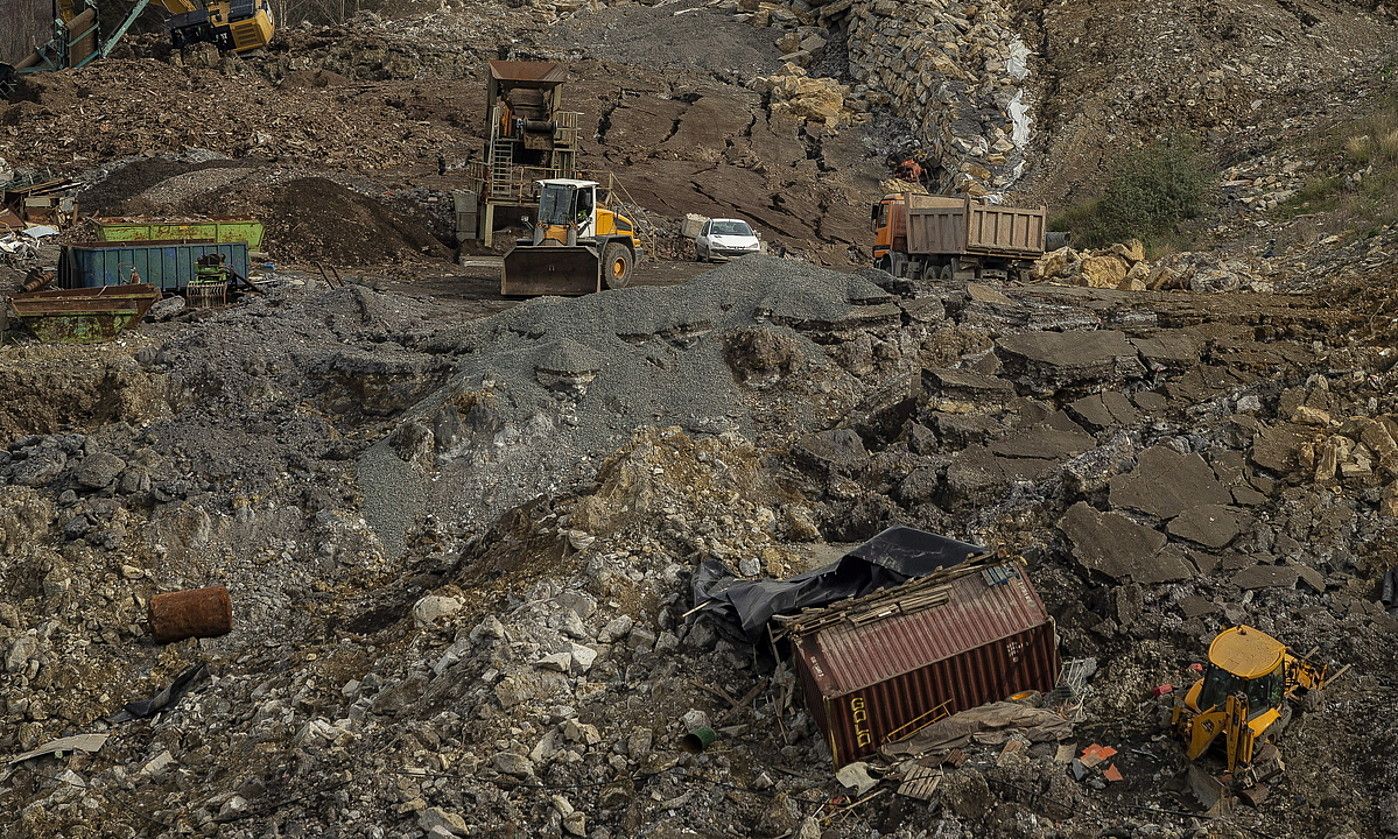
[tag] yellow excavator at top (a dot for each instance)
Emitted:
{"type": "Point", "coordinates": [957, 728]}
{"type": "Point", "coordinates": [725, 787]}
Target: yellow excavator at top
{"type": "Point", "coordinates": [1242, 701]}
{"type": "Point", "coordinates": [231, 25]}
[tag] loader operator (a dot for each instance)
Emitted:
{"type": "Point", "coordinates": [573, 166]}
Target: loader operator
{"type": "Point", "coordinates": [584, 214]}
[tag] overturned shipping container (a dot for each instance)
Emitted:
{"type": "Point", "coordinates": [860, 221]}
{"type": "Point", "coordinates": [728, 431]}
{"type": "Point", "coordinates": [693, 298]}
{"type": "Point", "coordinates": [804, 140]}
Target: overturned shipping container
{"type": "Point", "coordinates": [879, 668]}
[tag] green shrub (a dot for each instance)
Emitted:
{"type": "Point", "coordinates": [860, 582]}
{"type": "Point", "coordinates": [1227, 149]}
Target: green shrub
{"type": "Point", "coordinates": [1149, 192]}
{"type": "Point", "coordinates": [1357, 185]}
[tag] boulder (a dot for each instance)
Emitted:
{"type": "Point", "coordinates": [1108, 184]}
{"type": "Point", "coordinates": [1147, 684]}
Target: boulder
{"type": "Point", "coordinates": [99, 470]}
{"type": "Point", "coordinates": [1120, 548]}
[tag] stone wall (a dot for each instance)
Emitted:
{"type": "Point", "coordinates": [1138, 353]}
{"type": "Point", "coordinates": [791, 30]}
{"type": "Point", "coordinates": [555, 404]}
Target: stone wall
{"type": "Point", "coordinates": [956, 70]}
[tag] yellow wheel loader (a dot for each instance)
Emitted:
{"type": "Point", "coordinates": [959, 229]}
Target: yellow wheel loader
{"type": "Point", "coordinates": [578, 246]}
{"type": "Point", "coordinates": [1242, 701]}
{"type": "Point", "coordinates": [231, 25]}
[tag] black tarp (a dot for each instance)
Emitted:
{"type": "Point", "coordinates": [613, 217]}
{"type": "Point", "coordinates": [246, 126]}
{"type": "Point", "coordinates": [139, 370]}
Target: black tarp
{"type": "Point", "coordinates": [742, 608]}
{"type": "Point", "coordinates": [165, 698]}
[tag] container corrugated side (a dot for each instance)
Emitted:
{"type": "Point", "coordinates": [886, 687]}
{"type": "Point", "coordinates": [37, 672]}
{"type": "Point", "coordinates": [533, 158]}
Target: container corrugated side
{"type": "Point", "coordinates": [994, 229]}
{"type": "Point", "coordinates": [168, 266]}
{"type": "Point", "coordinates": [867, 680]}
{"type": "Point", "coordinates": [857, 723]}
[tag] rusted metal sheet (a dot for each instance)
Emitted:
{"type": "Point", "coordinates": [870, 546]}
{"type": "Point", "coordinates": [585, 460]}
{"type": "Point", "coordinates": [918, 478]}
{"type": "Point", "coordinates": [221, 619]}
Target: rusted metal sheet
{"type": "Point", "coordinates": [960, 226]}
{"type": "Point", "coordinates": [529, 73]}
{"type": "Point", "coordinates": [81, 316]}
{"type": "Point", "coordinates": [882, 667]}
{"type": "Point", "coordinates": [194, 613]}
{"type": "Point", "coordinates": [215, 229]}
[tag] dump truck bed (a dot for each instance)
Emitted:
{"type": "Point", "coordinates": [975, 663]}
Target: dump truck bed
{"type": "Point", "coordinates": [963, 227]}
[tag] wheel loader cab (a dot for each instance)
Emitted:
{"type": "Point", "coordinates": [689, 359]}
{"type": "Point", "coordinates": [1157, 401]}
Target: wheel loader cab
{"type": "Point", "coordinates": [578, 246]}
{"type": "Point", "coordinates": [567, 210]}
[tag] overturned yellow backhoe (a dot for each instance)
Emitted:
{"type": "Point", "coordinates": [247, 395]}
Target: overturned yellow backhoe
{"type": "Point", "coordinates": [1242, 701]}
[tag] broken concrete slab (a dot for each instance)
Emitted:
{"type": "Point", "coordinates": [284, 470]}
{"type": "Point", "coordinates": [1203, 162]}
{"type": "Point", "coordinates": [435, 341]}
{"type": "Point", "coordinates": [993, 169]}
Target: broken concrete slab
{"type": "Point", "coordinates": [1248, 497]}
{"type": "Point", "coordinates": [1121, 548]}
{"type": "Point", "coordinates": [1210, 525]}
{"type": "Point", "coordinates": [1266, 576]}
{"type": "Point", "coordinates": [1277, 448]}
{"type": "Point", "coordinates": [1310, 577]}
{"type": "Point", "coordinates": [837, 451]}
{"type": "Point", "coordinates": [1049, 361]}
{"type": "Point", "coordinates": [962, 430]}
{"type": "Point", "coordinates": [1151, 402]}
{"type": "Point", "coordinates": [1194, 606]}
{"type": "Point", "coordinates": [1172, 349]}
{"type": "Point", "coordinates": [1092, 411]}
{"type": "Point", "coordinates": [1201, 383]}
{"type": "Point", "coordinates": [966, 385]}
{"type": "Point", "coordinates": [1043, 442]}
{"type": "Point", "coordinates": [1165, 483]}
{"type": "Point", "coordinates": [1121, 407]}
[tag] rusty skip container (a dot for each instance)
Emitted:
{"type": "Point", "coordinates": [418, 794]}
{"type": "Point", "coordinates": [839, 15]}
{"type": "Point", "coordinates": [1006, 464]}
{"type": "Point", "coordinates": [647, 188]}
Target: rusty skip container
{"type": "Point", "coordinates": [965, 227]}
{"type": "Point", "coordinates": [193, 613]}
{"type": "Point", "coordinates": [879, 668]}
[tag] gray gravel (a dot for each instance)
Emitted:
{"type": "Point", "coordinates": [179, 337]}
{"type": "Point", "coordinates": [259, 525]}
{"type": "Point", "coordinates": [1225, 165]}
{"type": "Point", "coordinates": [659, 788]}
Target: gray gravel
{"type": "Point", "coordinates": [511, 425]}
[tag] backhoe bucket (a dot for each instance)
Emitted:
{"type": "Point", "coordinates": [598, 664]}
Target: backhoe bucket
{"type": "Point", "coordinates": [534, 270]}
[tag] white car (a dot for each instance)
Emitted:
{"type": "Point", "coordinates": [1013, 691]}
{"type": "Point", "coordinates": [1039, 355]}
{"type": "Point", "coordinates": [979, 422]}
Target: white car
{"type": "Point", "coordinates": [725, 238]}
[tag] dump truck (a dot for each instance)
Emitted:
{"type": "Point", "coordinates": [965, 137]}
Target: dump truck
{"type": "Point", "coordinates": [578, 245]}
{"type": "Point", "coordinates": [919, 236]}
{"type": "Point", "coordinates": [1242, 700]}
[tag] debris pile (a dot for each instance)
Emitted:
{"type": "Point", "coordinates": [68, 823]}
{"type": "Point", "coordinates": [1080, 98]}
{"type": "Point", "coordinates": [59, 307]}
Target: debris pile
{"type": "Point", "coordinates": [1124, 267]}
{"type": "Point", "coordinates": [809, 99]}
{"type": "Point", "coordinates": [1121, 266]}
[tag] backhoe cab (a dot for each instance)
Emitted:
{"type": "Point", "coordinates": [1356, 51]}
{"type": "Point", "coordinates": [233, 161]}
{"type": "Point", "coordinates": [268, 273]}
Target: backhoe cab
{"type": "Point", "coordinates": [578, 246]}
{"type": "Point", "coordinates": [1242, 700]}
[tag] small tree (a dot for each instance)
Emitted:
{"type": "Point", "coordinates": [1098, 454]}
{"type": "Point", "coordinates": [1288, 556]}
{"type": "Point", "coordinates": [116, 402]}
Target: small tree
{"type": "Point", "coordinates": [1149, 192]}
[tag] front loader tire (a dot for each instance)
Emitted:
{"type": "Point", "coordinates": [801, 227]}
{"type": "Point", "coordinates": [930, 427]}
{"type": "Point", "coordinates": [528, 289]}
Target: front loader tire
{"type": "Point", "coordinates": [618, 263]}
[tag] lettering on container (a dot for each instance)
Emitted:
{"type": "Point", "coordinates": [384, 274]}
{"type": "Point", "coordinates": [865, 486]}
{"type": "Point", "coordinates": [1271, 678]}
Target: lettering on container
{"type": "Point", "coordinates": [859, 714]}
{"type": "Point", "coordinates": [1014, 649]}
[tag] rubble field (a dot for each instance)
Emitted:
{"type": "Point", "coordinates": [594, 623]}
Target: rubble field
{"type": "Point", "coordinates": [462, 535]}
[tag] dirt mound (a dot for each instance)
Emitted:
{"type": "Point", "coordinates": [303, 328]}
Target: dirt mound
{"type": "Point", "coordinates": [144, 186]}
{"type": "Point", "coordinates": [311, 219]}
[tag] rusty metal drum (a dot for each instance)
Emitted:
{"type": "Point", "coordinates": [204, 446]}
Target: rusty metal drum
{"type": "Point", "coordinates": [194, 613]}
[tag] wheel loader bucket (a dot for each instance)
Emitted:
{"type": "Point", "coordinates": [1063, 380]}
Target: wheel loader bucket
{"type": "Point", "coordinates": [534, 270]}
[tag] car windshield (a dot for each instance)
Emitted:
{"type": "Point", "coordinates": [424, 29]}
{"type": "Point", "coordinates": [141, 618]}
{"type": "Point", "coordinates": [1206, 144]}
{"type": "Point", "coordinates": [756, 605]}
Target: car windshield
{"type": "Point", "coordinates": [731, 228]}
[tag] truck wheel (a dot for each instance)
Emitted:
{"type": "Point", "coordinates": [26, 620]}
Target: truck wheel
{"type": "Point", "coordinates": [617, 263]}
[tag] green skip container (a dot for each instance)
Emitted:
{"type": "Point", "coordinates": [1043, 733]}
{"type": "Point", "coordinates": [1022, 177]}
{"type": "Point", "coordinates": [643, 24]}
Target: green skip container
{"type": "Point", "coordinates": [220, 230]}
